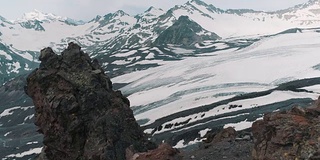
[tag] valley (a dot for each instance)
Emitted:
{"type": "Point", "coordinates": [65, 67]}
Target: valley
{"type": "Point", "coordinates": [215, 76]}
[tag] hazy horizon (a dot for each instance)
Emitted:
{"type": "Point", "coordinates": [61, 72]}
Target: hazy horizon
{"type": "Point", "coordinates": [88, 9]}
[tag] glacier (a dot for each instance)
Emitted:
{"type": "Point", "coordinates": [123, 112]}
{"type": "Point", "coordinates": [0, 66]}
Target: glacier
{"type": "Point", "coordinates": [268, 62]}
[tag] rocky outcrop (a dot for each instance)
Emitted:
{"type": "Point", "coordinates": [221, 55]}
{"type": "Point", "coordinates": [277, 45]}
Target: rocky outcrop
{"type": "Point", "coordinates": [293, 134]}
{"type": "Point", "coordinates": [77, 111]}
{"type": "Point", "coordinates": [184, 32]}
{"type": "Point", "coordinates": [223, 144]}
{"type": "Point", "coordinates": [227, 134]}
{"type": "Point", "coordinates": [163, 152]}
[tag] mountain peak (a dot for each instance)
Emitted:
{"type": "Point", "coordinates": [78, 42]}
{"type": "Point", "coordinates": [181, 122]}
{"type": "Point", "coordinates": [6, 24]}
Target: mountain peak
{"type": "Point", "coordinates": [184, 32]}
{"type": "Point", "coordinates": [40, 16]}
{"type": "Point", "coordinates": [153, 12]}
{"type": "Point", "coordinates": [150, 9]}
{"type": "Point", "coordinates": [120, 13]}
{"type": "Point", "coordinates": [96, 19]}
{"type": "Point", "coordinates": [183, 19]}
{"type": "Point", "coordinates": [199, 2]}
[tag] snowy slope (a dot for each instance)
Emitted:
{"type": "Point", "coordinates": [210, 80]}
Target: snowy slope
{"type": "Point", "coordinates": [203, 90]}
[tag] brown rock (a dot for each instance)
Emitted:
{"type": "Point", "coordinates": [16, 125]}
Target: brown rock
{"type": "Point", "coordinates": [226, 134]}
{"type": "Point", "coordinates": [77, 111]}
{"type": "Point", "coordinates": [292, 134]}
{"type": "Point", "coordinates": [163, 152]}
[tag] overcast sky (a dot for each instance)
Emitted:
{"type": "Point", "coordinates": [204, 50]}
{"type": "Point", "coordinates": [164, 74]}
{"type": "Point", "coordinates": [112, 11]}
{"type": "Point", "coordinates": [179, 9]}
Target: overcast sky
{"type": "Point", "coordinates": [88, 9]}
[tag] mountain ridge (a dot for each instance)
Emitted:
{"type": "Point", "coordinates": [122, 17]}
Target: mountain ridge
{"type": "Point", "coordinates": [118, 31]}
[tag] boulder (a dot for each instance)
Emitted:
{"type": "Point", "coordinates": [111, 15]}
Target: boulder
{"type": "Point", "coordinates": [163, 152]}
{"type": "Point", "coordinates": [293, 134]}
{"type": "Point", "coordinates": [227, 134]}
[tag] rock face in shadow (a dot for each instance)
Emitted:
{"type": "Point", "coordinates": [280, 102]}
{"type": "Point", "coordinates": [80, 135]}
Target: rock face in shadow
{"type": "Point", "coordinates": [77, 111]}
{"type": "Point", "coordinates": [293, 134]}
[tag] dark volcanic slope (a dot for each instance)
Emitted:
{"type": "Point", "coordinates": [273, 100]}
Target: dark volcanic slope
{"type": "Point", "coordinates": [17, 131]}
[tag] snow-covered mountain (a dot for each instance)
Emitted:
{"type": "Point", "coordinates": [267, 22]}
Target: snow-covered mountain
{"type": "Point", "coordinates": [113, 32]}
{"type": "Point", "coordinates": [208, 67]}
{"type": "Point", "coordinates": [36, 15]}
{"type": "Point", "coordinates": [119, 31]}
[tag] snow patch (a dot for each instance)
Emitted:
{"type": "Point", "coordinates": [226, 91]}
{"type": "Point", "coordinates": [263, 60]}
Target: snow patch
{"type": "Point", "coordinates": [204, 132]}
{"type": "Point", "coordinates": [29, 117]}
{"type": "Point", "coordinates": [182, 51]}
{"type": "Point", "coordinates": [150, 56]}
{"type": "Point", "coordinates": [125, 54]}
{"type": "Point", "coordinates": [240, 125]}
{"type": "Point", "coordinates": [9, 111]}
{"type": "Point", "coordinates": [315, 88]}
{"type": "Point", "coordinates": [16, 66]}
{"type": "Point", "coordinates": [26, 153]}
{"type": "Point", "coordinates": [7, 133]}
{"type": "Point", "coordinates": [6, 55]}
{"type": "Point", "coordinates": [35, 142]}
{"type": "Point", "coordinates": [183, 144]}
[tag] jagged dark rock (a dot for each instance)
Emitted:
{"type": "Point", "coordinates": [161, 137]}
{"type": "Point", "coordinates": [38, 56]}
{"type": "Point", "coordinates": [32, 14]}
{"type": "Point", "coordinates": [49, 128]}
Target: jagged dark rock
{"type": "Point", "coordinates": [77, 111]}
{"type": "Point", "coordinates": [292, 134]}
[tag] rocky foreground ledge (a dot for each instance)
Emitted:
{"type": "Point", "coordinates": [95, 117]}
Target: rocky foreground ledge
{"type": "Point", "coordinates": [293, 134]}
{"type": "Point", "coordinates": [78, 112]}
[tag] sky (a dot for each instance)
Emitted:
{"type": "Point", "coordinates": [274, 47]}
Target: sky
{"type": "Point", "coordinates": [88, 9]}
